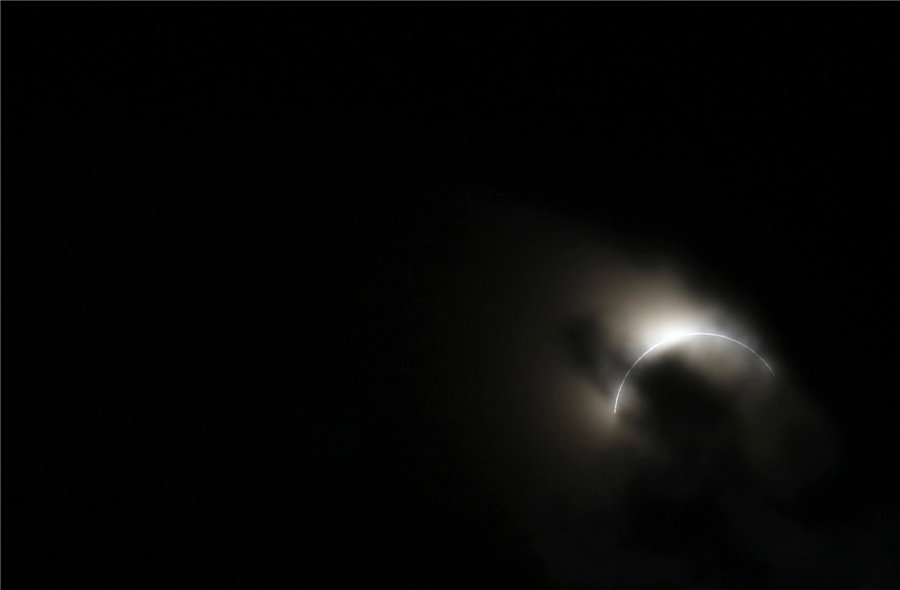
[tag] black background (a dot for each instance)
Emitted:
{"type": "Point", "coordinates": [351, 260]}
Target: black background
{"type": "Point", "coordinates": [226, 228]}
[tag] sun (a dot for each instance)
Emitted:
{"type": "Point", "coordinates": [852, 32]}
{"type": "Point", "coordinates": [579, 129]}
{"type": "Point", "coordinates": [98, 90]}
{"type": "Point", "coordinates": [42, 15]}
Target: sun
{"type": "Point", "coordinates": [674, 338]}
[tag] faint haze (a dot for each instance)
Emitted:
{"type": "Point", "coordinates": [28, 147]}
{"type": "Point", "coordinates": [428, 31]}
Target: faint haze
{"type": "Point", "coordinates": [697, 478]}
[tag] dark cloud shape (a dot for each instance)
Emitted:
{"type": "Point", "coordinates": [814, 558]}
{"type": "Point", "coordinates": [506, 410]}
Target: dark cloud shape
{"type": "Point", "coordinates": [582, 341]}
{"type": "Point", "coordinates": [693, 503]}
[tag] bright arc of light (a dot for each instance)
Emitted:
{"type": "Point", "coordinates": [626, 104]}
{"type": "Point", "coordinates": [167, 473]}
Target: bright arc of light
{"type": "Point", "coordinates": [674, 339]}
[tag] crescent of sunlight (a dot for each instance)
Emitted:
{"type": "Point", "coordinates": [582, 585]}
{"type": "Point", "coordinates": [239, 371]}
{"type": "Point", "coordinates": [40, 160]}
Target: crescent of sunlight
{"type": "Point", "coordinates": [673, 340]}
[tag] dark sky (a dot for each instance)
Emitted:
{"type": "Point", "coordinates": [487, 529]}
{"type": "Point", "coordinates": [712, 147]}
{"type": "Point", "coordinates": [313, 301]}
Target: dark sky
{"type": "Point", "coordinates": [264, 270]}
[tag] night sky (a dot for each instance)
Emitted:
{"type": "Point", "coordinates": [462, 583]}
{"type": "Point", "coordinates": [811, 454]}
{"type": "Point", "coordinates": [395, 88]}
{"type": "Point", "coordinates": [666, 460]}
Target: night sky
{"type": "Point", "coordinates": [333, 295]}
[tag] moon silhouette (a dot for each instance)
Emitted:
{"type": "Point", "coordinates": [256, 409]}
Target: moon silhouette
{"type": "Point", "coordinates": [673, 340]}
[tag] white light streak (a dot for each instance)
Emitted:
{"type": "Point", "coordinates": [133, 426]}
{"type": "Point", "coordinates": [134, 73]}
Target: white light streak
{"type": "Point", "coordinates": [673, 340]}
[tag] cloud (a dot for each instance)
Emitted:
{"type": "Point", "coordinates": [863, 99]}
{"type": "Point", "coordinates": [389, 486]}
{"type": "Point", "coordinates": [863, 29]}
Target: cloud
{"type": "Point", "coordinates": [698, 482]}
